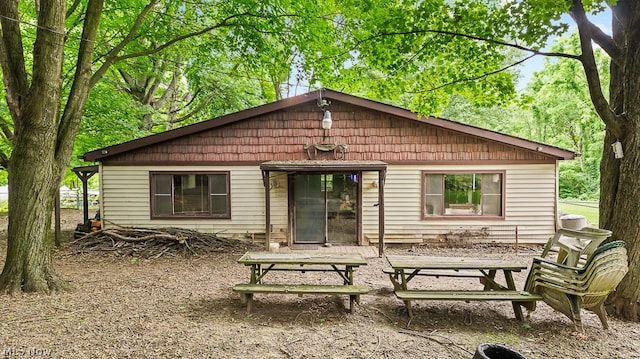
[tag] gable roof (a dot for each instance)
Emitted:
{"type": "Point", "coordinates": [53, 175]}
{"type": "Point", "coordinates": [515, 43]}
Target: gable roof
{"type": "Point", "coordinates": [100, 154]}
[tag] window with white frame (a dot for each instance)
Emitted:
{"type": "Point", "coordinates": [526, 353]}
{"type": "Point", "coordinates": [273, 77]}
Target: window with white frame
{"type": "Point", "coordinates": [204, 195]}
{"type": "Point", "coordinates": [466, 194]}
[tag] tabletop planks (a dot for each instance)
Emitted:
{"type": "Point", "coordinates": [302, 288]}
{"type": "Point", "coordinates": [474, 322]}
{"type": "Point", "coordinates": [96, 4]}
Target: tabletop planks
{"type": "Point", "coordinates": [352, 260]}
{"type": "Point", "coordinates": [455, 263]}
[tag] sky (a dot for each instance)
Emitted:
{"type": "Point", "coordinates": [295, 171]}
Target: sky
{"type": "Point", "coordinates": [602, 20]}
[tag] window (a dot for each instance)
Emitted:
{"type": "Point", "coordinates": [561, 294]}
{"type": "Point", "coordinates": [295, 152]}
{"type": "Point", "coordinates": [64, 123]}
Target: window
{"type": "Point", "coordinates": [463, 194]}
{"type": "Point", "coordinates": [190, 195]}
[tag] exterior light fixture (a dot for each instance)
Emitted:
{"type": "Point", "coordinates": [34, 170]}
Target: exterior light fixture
{"type": "Point", "coordinates": [323, 104]}
{"type": "Point", "coordinates": [326, 120]}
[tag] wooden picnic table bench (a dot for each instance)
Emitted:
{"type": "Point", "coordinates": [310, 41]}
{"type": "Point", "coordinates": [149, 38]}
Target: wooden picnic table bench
{"type": "Point", "coordinates": [261, 263]}
{"type": "Point", "coordinates": [405, 268]}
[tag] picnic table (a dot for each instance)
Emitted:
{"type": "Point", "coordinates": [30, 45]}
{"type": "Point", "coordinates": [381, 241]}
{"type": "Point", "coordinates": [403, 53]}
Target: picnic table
{"type": "Point", "coordinates": [262, 263]}
{"type": "Point", "coordinates": [405, 268]}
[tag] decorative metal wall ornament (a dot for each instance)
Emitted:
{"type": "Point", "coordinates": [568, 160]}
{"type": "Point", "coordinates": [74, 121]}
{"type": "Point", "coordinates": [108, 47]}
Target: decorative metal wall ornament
{"type": "Point", "coordinates": [339, 150]}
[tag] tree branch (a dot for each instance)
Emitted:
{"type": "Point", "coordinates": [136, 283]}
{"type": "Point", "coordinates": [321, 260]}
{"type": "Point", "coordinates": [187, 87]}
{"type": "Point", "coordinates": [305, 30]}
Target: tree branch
{"type": "Point", "coordinates": [80, 88]}
{"type": "Point", "coordinates": [129, 80]}
{"type": "Point", "coordinates": [605, 42]}
{"type": "Point", "coordinates": [472, 37]}
{"type": "Point", "coordinates": [72, 8]}
{"type": "Point", "coordinates": [14, 73]}
{"type": "Point", "coordinates": [4, 160]}
{"type": "Point", "coordinates": [152, 83]}
{"type": "Point", "coordinates": [192, 99]}
{"type": "Point", "coordinates": [611, 121]}
{"type": "Point", "coordinates": [8, 135]}
{"type": "Point", "coordinates": [6, 130]}
{"type": "Point", "coordinates": [111, 57]}
{"type": "Point", "coordinates": [196, 110]}
{"type": "Point", "coordinates": [483, 75]}
{"type": "Point", "coordinates": [171, 89]}
{"type": "Point", "coordinates": [223, 23]}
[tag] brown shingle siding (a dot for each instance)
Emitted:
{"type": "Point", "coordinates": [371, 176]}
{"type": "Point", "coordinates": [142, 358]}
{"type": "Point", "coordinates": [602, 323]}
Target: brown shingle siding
{"type": "Point", "coordinates": [369, 135]}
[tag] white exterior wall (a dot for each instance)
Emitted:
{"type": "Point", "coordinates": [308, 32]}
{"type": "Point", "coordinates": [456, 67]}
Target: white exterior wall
{"type": "Point", "coordinates": [126, 200]}
{"type": "Point", "coordinates": [530, 203]}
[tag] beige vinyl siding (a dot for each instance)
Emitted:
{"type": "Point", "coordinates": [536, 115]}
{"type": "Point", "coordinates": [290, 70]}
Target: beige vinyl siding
{"type": "Point", "coordinates": [126, 200]}
{"type": "Point", "coordinates": [370, 212]}
{"type": "Point", "coordinates": [530, 204]}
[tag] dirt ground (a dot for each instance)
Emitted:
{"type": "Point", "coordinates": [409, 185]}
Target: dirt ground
{"type": "Point", "coordinates": [178, 307]}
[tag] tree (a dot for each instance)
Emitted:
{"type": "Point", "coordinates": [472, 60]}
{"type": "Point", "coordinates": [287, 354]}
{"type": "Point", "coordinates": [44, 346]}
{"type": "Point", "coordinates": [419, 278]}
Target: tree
{"type": "Point", "coordinates": [434, 49]}
{"type": "Point", "coordinates": [198, 78]}
{"type": "Point", "coordinates": [190, 83]}
{"type": "Point", "coordinates": [512, 119]}
{"type": "Point", "coordinates": [564, 115]}
{"type": "Point", "coordinates": [52, 56]}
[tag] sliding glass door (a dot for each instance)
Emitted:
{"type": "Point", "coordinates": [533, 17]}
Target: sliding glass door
{"type": "Point", "coordinates": [326, 208]}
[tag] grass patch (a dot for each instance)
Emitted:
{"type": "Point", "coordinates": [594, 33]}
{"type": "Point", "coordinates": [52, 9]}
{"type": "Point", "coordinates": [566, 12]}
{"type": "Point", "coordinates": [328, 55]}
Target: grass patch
{"type": "Point", "coordinates": [587, 209]}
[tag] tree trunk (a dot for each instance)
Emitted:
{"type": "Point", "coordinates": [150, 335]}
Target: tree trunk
{"type": "Point", "coordinates": [34, 174]}
{"type": "Point", "coordinates": [619, 198]}
{"type": "Point", "coordinates": [33, 181]}
{"type": "Point", "coordinates": [620, 178]}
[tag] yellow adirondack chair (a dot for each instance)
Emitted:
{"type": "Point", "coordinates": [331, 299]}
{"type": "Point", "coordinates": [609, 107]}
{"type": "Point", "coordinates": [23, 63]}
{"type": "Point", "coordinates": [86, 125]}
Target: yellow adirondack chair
{"type": "Point", "coordinates": [568, 289]}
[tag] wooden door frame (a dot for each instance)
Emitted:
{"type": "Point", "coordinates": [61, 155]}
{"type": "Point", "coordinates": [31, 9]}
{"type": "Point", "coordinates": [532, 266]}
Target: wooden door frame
{"type": "Point", "coordinates": [291, 204]}
{"type": "Point", "coordinates": [325, 166]}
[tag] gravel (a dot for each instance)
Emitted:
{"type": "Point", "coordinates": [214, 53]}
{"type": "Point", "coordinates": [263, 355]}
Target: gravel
{"type": "Point", "coordinates": [183, 307]}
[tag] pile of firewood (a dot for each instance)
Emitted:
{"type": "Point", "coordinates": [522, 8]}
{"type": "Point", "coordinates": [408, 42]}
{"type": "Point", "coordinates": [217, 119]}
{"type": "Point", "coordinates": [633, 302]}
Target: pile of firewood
{"type": "Point", "coordinates": [153, 243]}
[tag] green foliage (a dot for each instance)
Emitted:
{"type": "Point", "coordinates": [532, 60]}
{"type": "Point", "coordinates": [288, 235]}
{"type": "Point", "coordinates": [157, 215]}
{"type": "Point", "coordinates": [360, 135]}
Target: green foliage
{"type": "Point", "coordinates": [183, 63]}
{"type": "Point", "coordinates": [109, 118]}
{"type": "Point", "coordinates": [421, 53]}
{"type": "Point", "coordinates": [555, 109]}
{"type": "Point", "coordinates": [245, 59]}
{"type": "Point", "coordinates": [576, 183]}
{"type": "Point", "coordinates": [510, 119]}
{"type": "Point", "coordinates": [564, 116]}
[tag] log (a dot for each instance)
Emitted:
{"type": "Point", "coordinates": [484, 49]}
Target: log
{"type": "Point", "coordinates": [154, 243]}
{"type": "Point", "coordinates": [142, 239]}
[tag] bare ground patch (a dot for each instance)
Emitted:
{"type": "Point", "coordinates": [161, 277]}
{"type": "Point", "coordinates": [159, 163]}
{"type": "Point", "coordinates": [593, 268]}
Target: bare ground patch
{"type": "Point", "coordinates": [183, 307]}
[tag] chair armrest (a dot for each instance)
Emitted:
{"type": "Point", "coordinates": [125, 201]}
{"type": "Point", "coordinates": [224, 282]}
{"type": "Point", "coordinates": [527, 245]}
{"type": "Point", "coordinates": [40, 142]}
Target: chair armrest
{"type": "Point", "coordinates": [555, 264]}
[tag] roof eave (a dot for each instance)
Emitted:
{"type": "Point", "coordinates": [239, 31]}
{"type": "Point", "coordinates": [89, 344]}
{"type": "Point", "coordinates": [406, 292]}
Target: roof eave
{"type": "Point", "coordinates": [100, 154]}
{"type": "Point", "coordinates": [558, 153]}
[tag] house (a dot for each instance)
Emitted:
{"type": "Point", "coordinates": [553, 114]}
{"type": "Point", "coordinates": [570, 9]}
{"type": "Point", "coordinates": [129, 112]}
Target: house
{"type": "Point", "coordinates": [330, 168]}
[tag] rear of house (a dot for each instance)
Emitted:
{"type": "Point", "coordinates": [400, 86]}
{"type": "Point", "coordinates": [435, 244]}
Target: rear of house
{"type": "Point", "coordinates": [273, 173]}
